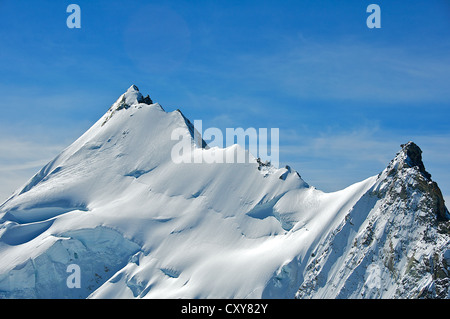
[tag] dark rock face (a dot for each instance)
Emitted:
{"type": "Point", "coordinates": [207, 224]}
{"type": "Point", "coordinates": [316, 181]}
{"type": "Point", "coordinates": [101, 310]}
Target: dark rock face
{"type": "Point", "coordinates": [411, 157]}
{"type": "Point", "coordinates": [414, 157]}
{"type": "Point", "coordinates": [438, 203]}
{"type": "Point", "coordinates": [146, 100]}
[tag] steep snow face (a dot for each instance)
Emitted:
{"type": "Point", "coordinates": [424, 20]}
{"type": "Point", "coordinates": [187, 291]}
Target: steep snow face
{"type": "Point", "coordinates": [139, 223]}
{"type": "Point", "coordinates": [119, 179]}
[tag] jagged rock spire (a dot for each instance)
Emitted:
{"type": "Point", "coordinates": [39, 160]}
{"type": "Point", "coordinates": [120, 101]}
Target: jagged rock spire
{"type": "Point", "coordinates": [414, 157]}
{"type": "Point", "coordinates": [408, 164]}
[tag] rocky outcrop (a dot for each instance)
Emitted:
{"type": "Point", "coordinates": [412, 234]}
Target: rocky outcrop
{"type": "Point", "coordinates": [131, 97]}
{"type": "Point", "coordinates": [394, 243]}
{"type": "Point", "coordinates": [410, 157]}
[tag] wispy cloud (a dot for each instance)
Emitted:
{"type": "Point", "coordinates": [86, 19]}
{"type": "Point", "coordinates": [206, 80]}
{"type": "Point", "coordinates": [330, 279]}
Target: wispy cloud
{"type": "Point", "coordinates": [20, 160]}
{"type": "Point", "coordinates": [352, 71]}
{"type": "Point", "coordinates": [333, 161]}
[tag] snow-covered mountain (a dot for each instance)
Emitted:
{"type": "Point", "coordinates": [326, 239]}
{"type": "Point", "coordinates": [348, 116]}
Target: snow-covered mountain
{"type": "Point", "coordinates": [140, 225]}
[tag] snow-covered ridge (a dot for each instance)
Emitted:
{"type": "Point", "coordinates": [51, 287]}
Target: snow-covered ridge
{"type": "Point", "coordinates": [139, 225]}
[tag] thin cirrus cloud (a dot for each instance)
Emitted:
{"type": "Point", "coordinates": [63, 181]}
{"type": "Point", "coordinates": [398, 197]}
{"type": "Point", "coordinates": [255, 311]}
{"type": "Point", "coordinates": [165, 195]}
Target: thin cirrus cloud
{"type": "Point", "coordinates": [352, 71]}
{"type": "Point", "coordinates": [331, 162]}
{"type": "Point", "coordinates": [20, 160]}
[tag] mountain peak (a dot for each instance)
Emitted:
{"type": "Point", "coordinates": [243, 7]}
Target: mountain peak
{"type": "Point", "coordinates": [406, 172]}
{"type": "Point", "coordinates": [133, 88]}
{"type": "Point", "coordinates": [132, 97]}
{"type": "Point", "coordinates": [412, 155]}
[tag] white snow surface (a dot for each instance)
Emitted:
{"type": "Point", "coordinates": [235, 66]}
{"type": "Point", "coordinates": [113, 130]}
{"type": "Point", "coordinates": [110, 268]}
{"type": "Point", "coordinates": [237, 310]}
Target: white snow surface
{"type": "Point", "coordinates": [140, 225]}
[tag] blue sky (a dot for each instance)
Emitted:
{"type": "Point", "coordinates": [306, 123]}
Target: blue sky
{"type": "Point", "coordinates": [344, 96]}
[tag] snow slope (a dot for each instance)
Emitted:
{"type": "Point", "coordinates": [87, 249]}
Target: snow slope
{"type": "Point", "coordinates": [142, 225]}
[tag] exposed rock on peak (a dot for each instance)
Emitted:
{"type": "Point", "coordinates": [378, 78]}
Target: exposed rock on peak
{"type": "Point", "coordinates": [133, 88]}
{"type": "Point", "coordinates": [414, 157]}
{"type": "Point", "coordinates": [132, 97]}
{"type": "Point", "coordinates": [410, 156]}
{"type": "Point", "coordinates": [146, 100]}
{"type": "Point", "coordinates": [406, 174]}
